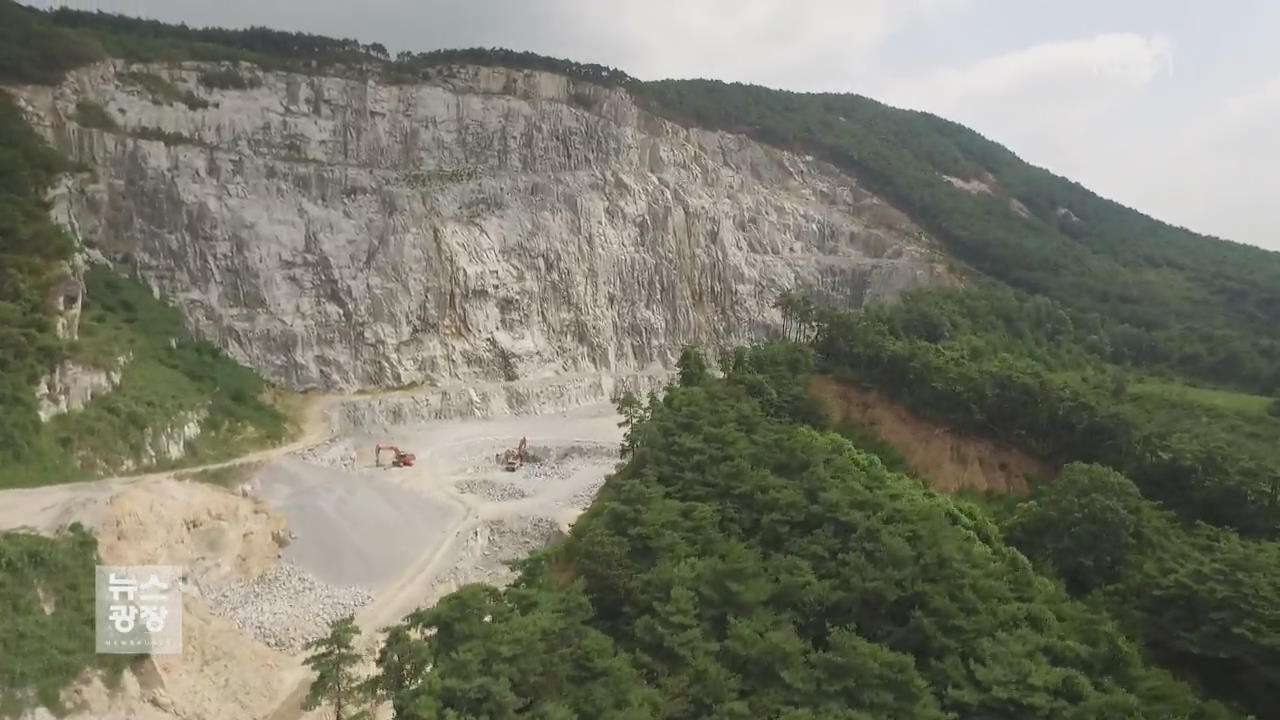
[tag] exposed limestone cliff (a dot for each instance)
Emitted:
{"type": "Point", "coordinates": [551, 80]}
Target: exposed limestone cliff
{"type": "Point", "coordinates": [492, 225]}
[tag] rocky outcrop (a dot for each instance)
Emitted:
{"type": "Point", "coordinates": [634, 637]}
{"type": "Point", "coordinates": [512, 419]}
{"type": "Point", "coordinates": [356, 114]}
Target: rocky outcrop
{"type": "Point", "coordinates": [333, 453]}
{"type": "Point", "coordinates": [161, 444]}
{"type": "Point", "coordinates": [170, 442]}
{"type": "Point", "coordinates": [72, 385]}
{"type": "Point", "coordinates": [492, 224]}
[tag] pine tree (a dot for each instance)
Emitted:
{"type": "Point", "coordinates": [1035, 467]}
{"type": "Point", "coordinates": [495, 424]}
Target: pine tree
{"type": "Point", "coordinates": [633, 412]}
{"type": "Point", "coordinates": [693, 367]}
{"type": "Point", "coordinates": [334, 658]}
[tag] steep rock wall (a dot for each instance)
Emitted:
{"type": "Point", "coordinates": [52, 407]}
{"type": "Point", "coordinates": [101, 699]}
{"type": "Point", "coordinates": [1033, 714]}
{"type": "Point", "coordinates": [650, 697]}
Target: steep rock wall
{"type": "Point", "coordinates": [489, 225]}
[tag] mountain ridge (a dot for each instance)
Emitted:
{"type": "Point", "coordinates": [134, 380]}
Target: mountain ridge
{"type": "Point", "coordinates": [1035, 231]}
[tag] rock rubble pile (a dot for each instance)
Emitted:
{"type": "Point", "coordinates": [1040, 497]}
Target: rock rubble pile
{"type": "Point", "coordinates": [491, 490]}
{"type": "Point", "coordinates": [286, 607]}
{"type": "Point", "coordinates": [335, 453]}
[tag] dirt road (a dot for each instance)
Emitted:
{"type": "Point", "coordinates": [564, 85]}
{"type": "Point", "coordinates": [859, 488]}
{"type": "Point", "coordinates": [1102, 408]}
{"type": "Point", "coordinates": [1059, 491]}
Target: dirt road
{"type": "Point", "coordinates": [49, 508]}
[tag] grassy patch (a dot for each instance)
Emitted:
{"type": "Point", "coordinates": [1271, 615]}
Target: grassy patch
{"type": "Point", "coordinates": [162, 91]}
{"type": "Point", "coordinates": [92, 115]}
{"type": "Point", "coordinates": [1220, 399]}
{"type": "Point", "coordinates": [171, 378]}
{"type": "Point", "coordinates": [1233, 423]}
{"type": "Point", "coordinates": [47, 627]}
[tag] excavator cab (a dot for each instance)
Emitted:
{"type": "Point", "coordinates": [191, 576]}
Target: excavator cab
{"type": "Point", "coordinates": [399, 458]}
{"type": "Point", "coordinates": [513, 460]}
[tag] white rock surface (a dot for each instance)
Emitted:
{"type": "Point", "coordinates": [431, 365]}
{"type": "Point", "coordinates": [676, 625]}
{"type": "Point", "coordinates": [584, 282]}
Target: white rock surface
{"type": "Point", "coordinates": [493, 225]}
{"type": "Point", "coordinates": [167, 442]}
{"type": "Point", "coordinates": [482, 400]}
{"type": "Point", "coordinates": [72, 385]}
{"type": "Point", "coordinates": [333, 453]}
{"type": "Point", "coordinates": [286, 607]}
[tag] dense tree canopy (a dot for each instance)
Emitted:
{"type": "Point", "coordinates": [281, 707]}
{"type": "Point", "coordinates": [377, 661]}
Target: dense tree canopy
{"type": "Point", "coordinates": [1029, 372]}
{"type": "Point", "coordinates": [1206, 602]}
{"type": "Point", "coordinates": [744, 564]}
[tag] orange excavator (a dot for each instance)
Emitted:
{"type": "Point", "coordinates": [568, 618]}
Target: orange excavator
{"type": "Point", "coordinates": [399, 458]}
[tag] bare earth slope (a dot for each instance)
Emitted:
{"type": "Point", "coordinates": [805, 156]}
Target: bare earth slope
{"type": "Point", "coordinates": [948, 460]}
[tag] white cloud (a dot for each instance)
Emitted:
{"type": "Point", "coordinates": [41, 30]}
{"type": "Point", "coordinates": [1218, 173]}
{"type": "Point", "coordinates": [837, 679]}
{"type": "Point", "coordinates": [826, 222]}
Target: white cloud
{"type": "Point", "coordinates": [1086, 109]}
{"type": "Point", "coordinates": [796, 44]}
{"type": "Point", "coordinates": [1216, 172]}
{"type": "Point", "coordinates": [1056, 87]}
{"type": "Point", "coordinates": [1099, 64]}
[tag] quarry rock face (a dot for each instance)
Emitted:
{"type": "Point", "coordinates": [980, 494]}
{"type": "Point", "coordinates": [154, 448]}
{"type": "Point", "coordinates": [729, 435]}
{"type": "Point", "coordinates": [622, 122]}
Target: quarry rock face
{"type": "Point", "coordinates": [485, 225]}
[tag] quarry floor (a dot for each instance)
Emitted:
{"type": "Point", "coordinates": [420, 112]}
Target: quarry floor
{"type": "Point", "coordinates": [316, 532]}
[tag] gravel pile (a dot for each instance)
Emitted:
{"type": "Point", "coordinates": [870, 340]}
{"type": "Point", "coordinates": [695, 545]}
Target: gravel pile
{"type": "Point", "coordinates": [516, 538]}
{"type": "Point", "coordinates": [485, 554]}
{"type": "Point", "coordinates": [334, 453]}
{"type": "Point", "coordinates": [492, 490]}
{"type": "Point", "coordinates": [549, 471]}
{"type": "Point", "coordinates": [286, 607]}
{"type": "Point", "coordinates": [582, 499]}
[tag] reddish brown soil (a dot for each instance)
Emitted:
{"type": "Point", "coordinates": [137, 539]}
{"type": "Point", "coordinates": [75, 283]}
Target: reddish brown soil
{"type": "Point", "coordinates": [948, 461]}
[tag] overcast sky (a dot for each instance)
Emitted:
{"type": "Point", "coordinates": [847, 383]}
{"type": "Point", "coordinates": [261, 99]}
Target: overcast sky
{"type": "Point", "coordinates": [1169, 106]}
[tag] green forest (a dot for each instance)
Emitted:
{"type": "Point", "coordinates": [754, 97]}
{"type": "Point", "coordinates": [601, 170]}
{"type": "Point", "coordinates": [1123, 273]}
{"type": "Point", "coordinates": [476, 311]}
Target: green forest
{"type": "Point", "coordinates": [1033, 374]}
{"type": "Point", "coordinates": [748, 562]}
{"type": "Point", "coordinates": [47, 627]}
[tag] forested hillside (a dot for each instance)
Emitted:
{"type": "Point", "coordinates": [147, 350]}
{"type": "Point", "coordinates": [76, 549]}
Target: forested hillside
{"type": "Point", "coordinates": [166, 375]}
{"type": "Point", "coordinates": [1062, 386]}
{"type": "Point", "coordinates": [746, 563]}
{"type": "Point", "coordinates": [1032, 374]}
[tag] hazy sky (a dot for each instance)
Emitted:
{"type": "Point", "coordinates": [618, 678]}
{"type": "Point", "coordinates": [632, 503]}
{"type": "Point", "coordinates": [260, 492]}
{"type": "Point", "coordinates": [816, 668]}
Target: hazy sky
{"type": "Point", "coordinates": [1170, 106]}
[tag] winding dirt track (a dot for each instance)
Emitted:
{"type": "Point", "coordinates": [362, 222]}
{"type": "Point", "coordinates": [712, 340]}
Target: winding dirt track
{"type": "Point", "coordinates": [39, 508]}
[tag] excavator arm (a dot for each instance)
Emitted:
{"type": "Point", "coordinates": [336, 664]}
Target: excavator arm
{"type": "Point", "coordinates": [399, 458]}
